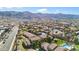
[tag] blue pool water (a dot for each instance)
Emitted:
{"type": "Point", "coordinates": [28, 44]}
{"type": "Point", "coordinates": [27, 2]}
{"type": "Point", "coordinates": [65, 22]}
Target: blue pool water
{"type": "Point", "coordinates": [66, 46]}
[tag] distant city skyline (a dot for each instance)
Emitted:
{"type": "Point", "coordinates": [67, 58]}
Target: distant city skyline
{"type": "Point", "coordinates": [64, 10]}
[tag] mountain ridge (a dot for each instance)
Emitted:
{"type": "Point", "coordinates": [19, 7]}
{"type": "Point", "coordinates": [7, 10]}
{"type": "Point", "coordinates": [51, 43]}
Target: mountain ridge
{"type": "Point", "coordinates": [30, 16]}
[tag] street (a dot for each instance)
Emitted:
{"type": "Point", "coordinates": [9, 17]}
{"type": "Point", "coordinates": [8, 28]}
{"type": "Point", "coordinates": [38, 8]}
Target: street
{"type": "Point", "coordinates": [9, 41]}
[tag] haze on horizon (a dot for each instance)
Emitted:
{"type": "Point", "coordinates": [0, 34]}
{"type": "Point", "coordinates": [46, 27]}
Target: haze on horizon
{"type": "Point", "coordinates": [64, 10]}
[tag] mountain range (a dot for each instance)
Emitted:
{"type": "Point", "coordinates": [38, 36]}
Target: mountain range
{"type": "Point", "coordinates": [38, 16]}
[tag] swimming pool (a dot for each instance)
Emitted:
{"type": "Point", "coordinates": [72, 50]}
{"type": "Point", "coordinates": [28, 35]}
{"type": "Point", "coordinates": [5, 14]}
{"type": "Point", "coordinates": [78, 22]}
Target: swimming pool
{"type": "Point", "coordinates": [67, 46]}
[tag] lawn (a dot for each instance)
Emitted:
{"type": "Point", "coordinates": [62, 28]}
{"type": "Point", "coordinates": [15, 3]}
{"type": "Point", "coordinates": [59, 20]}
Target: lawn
{"type": "Point", "coordinates": [59, 42]}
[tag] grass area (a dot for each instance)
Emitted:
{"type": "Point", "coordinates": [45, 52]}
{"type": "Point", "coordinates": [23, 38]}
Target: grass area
{"type": "Point", "coordinates": [20, 39]}
{"type": "Point", "coordinates": [20, 47]}
{"type": "Point", "coordinates": [73, 28]}
{"type": "Point", "coordinates": [59, 42]}
{"type": "Point", "coordinates": [77, 47]}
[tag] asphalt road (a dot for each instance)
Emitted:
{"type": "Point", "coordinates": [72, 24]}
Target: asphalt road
{"type": "Point", "coordinates": [7, 45]}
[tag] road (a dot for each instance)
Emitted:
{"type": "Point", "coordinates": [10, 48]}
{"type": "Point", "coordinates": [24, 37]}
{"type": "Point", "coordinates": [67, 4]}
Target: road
{"type": "Point", "coordinates": [10, 40]}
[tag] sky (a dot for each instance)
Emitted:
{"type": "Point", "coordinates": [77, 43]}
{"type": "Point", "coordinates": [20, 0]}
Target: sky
{"type": "Point", "coordinates": [64, 10]}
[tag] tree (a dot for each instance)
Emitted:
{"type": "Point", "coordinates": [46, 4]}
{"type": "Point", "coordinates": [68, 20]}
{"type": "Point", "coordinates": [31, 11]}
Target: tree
{"type": "Point", "coordinates": [76, 41]}
{"type": "Point", "coordinates": [35, 44]}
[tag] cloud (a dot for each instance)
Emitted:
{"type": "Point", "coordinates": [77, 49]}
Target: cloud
{"type": "Point", "coordinates": [11, 8]}
{"type": "Point", "coordinates": [5, 8]}
{"type": "Point", "coordinates": [58, 11]}
{"type": "Point", "coordinates": [44, 10]}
